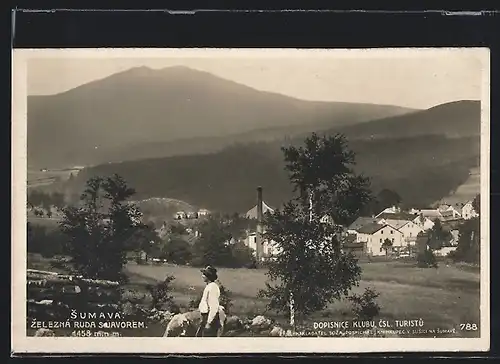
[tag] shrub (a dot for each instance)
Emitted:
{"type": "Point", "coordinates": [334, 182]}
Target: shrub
{"type": "Point", "coordinates": [365, 306]}
{"type": "Point", "coordinates": [160, 294]}
{"type": "Point", "coordinates": [177, 251]}
{"type": "Point", "coordinates": [242, 256]}
{"type": "Point", "coordinates": [427, 259]}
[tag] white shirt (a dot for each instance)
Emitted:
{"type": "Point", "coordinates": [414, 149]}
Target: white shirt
{"type": "Point", "coordinates": [210, 301]}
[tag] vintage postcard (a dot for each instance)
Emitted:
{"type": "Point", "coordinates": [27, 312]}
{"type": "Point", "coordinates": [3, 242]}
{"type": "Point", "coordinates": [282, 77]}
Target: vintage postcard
{"type": "Point", "coordinates": [260, 200]}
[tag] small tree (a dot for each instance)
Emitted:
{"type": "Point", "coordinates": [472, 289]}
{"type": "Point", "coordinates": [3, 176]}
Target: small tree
{"type": "Point", "coordinates": [438, 236]}
{"type": "Point", "coordinates": [211, 248]}
{"type": "Point", "coordinates": [242, 256]}
{"type": "Point", "coordinates": [365, 306]}
{"type": "Point", "coordinates": [176, 250]}
{"type": "Point", "coordinates": [311, 269]}
{"type": "Point", "coordinates": [388, 198]}
{"type": "Point", "coordinates": [476, 204]}
{"type": "Point", "coordinates": [387, 245]}
{"type": "Point", "coordinates": [100, 227]}
{"type": "Point", "coordinates": [322, 173]}
{"type": "Point", "coordinates": [427, 259]}
{"type": "Point", "coordinates": [468, 249]}
{"type": "Point", "coordinates": [160, 294]}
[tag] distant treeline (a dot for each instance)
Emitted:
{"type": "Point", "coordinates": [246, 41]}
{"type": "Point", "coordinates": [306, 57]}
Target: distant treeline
{"type": "Point", "coordinates": [38, 198]}
{"type": "Point", "coordinates": [421, 170]}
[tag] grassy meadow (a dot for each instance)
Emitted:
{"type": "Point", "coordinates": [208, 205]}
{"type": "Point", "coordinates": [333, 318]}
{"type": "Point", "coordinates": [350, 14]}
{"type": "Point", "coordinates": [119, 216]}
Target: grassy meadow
{"type": "Point", "coordinates": [442, 297]}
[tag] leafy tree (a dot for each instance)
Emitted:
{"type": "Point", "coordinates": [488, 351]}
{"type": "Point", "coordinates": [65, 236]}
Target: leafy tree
{"type": "Point", "coordinates": [45, 241]}
{"type": "Point", "coordinates": [388, 198]}
{"type": "Point", "coordinates": [177, 228]}
{"type": "Point", "coordinates": [142, 238]}
{"type": "Point", "coordinates": [46, 205]}
{"type": "Point", "coordinates": [242, 256]}
{"type": "Point", "coordinates": [99, 228]}
{"type": "Point", "coordinates": [387, 245]}
{"type": "Point", "coordinates": [427, 259]}
{"type": "Point", "coordinates": [212, 245]}
{"type": "Point", "coordinates": [176, 250]}
{"type": "Point", "coordinates": [438, 236]}
{"type": "Point", "coordinates": [238, 225]}
{"type": "Point", "coordinates": [311, 269]}
{"type": "Point", "coordinates": [322, 172]}
{"type": "Point", "coordinates": [476, 204]}
{"type": "Point", "coordinates": [468, 249]}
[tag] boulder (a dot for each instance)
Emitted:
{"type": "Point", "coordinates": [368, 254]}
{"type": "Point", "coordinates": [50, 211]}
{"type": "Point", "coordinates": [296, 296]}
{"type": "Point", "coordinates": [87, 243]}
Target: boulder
{"type": "Point", "coordinates": [277, 331]}
{"type": "Point", "coordinates": [260, 323]}
{"type": "Point", "coordinates": [234, 323]}
{"type": "Point", "coordinates": [45, 332]}
{"type": "Point", "coordinates": [129, 309]}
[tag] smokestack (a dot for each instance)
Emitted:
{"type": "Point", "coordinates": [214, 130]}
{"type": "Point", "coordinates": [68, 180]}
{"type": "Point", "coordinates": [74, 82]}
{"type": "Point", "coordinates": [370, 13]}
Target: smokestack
{"type": "Point", "coordinates": [258, 235]}
{"type": "Point", "coordinates": [259, 204]}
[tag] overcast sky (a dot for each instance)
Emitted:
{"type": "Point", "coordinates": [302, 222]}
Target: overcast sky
{"type": "Point", "coordinates": [406, 81]}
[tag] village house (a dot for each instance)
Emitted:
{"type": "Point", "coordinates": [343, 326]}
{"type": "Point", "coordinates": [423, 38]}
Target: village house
{"type": "Point", "coordinates": [269, 249]}
{"type": "Point", "coordinates": [362, 221]}
{"type": "Point", "coordinates": [404, 223]}
{"type": "Point", "coordinates": [179, 215]}
{"type": "Point", "coordinates": [203, 212]}
{"type": "Point", "coordinates": [390, 210]}
{"type": "Point", "coordinates": [468, 211]}
{"type": "Point", "coordinates": [449, 212]}
{"type": "Point", "coordinates": [429, 214]}
{"type": "Point", "coordinates": [418, 219]}
{"type": "Point", "coordinates": [252, 213]}
{"type": "Point", "coordinates": [374, 235]}
{"type": "Point", "coordinates": [424, 222]}
{"type": "Point", "coordinates": [409, 229]}
{"type": "Point", "coordinates": [350, 245]}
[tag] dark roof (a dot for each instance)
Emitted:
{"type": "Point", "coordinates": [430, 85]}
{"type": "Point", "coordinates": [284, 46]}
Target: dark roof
{"type": "Point", "coordinates": [350, 238]}
{"type": "Point", "coordinates": [397, 216]}
{"type": "Point", "coordinates": [371, 228]}
{"type": "Point", "coordinates": [362, 221]}
{"type": "Point", "coordinates": [353, 245]}
{"type": "Point", "coordinates": [252, 213]}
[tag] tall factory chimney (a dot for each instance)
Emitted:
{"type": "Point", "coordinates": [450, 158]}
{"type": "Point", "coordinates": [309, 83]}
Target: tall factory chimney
{"type": "Point", "coordinates": [258, 235]}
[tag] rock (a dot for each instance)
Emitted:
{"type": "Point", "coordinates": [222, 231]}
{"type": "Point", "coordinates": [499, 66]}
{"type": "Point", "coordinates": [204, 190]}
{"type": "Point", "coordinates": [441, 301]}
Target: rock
{"type": "Point", "coordinates": [234, 323]}
{"type": "Point", "coordinates": [276, 331]}
{"type": "Point", "coordinates": [45, 332]}
{"type": "Point", "coordinates": [128, 309]}
{"type": "Point", "coordinates": [261, 323]}
{"type": "Point", "coordinates": [177, 326]}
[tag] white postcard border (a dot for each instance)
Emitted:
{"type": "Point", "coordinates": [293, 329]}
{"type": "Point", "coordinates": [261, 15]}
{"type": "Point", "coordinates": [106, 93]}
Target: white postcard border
{"type": "Point", "coordinates": [22, 344]}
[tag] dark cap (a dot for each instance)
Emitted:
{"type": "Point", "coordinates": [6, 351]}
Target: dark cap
{"type": "Point", "coordinates": [210, 272]}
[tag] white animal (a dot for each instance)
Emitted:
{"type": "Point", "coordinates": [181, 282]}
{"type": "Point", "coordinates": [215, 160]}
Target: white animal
{"type": "Point", "coordinates": [186, 324]}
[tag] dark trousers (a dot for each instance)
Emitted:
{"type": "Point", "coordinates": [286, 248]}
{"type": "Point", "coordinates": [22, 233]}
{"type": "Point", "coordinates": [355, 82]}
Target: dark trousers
{"type": "Point", "coordinates": [212, 330]}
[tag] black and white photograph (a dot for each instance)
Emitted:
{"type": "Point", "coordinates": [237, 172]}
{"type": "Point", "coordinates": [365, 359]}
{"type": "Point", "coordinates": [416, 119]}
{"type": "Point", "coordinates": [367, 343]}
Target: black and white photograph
{"type": "Point", "coordinates": [179, 200]}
